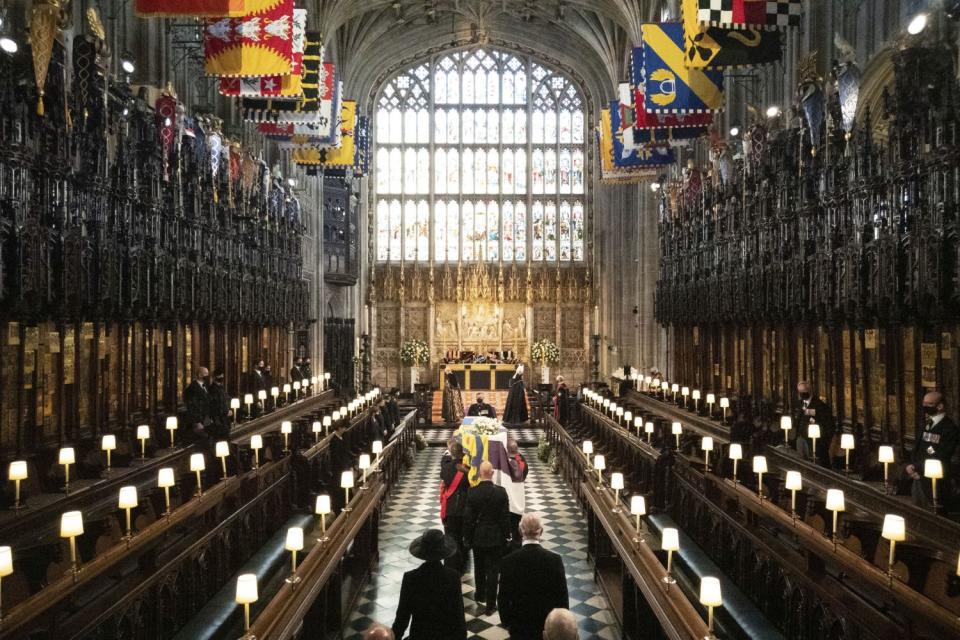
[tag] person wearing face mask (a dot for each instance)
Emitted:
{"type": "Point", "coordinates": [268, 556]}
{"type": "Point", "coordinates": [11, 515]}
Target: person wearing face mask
{"type": "Point", "coordinates": [811, 409]}
{"type": "Point", "coordinates": [197, 399]}
{"type": "Point", "coordinates": [221, 416]}
{"type": "Point", "coordinates": [938, 438]}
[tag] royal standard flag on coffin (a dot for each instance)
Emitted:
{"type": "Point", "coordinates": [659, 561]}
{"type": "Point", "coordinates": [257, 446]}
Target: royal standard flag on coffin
{"type": "Point", "coordinates": [669, 86]}
{"type": "Point", "coordinates": [723, 47]}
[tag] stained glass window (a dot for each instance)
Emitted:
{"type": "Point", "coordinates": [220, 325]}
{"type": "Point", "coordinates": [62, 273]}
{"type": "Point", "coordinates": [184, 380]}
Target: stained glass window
{"type": "Point", "coordinates": [480, 156]}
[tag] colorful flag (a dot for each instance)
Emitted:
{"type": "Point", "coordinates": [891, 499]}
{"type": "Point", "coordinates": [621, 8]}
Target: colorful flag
{"type": "Point", "coordinates": [735, 14]}
{"type": "Point", "coordinates": [274, 86]}
{"type": "Point", "coordinates": [669, 86]}
{"type": "Point", "coordinates": [610, 173]}
{"type": "Point", "coordinates": [320, 94]}
{"type": "Point", "coordinates": [361, 155]}
{"type": "Point", "coordinates": [723, 47]}
{"type": "Point", "coordinates": [784, 13]}
{"type": "Point", "coordinates": [672, 136]}
{"type": "Point", "coordinates": [342, 157]}
{"type": "Point", "coordinates": [645, 120]}
{"type": "Point", "coordinates": [258, 44]}
{"type": "Point", "coordinates": [200, 8]}
{"type": "Point", "coordinates": [633, 156]}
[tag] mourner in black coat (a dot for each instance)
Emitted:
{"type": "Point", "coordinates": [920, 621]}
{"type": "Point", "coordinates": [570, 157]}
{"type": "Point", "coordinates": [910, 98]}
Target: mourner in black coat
{"type": "Point", "coordinates": [481, 408]}
{"type": "Point", "coordinates": [220, 413]}
{"type": "Point", "coordinates": [453, 500]}
{"type": "Point", "coordinates": [197, 400]}
{"type": "Point", "coordinates": [486, 529]}
{"type": "Point", "coordinates": [937, 439]}
{"type": "Point", "coordinates": [431, 602]}
{"type": "Point", "coordinates": [532, 583]}
{"type": "Point", "coordinates": [515, 410]}
{"type": "Point", "coordinates": [811, 409]}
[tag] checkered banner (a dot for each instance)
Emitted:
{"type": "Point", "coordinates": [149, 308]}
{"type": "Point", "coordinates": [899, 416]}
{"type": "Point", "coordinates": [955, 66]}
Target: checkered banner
{"type": "Point", "coordinates": [724, 47]}
{"type": "Point", "coordinates": [734, 14]}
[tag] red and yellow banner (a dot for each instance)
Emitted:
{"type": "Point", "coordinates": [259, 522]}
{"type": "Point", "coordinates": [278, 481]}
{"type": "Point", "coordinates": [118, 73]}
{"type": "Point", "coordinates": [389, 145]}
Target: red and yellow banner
{"type": "Point", "coordinates": [275, 86]}
{"type": "Point", "coordinates": [258, 44]}
{"type": "Point", "coordinates": [200, 8]}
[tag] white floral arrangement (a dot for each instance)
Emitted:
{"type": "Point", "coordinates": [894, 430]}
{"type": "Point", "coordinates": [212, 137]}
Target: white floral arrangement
{"type": "Point", "coordinates": [545, 352]}
{"type": "Point", "coordinates": [485, 426]}
{"type": "Point", "coordinates": [414, 352]}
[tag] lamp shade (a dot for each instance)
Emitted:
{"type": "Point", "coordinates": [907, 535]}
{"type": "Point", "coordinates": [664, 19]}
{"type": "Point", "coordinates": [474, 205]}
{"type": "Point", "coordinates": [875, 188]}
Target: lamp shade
{"type": "Point", "coordinates": [234, 403]}
{"type": "Point", "coordinates": [256, 442]}
{"type": "Point", "coordinates": [246, 588]}
{"type": "Point", "coordinates": [286, 388]}
{"type": "Point", "coordinates": [813, 430]}
{"type": "Point", "coordinates": [17, 470]}
{"type": "Point", "coordinates": [327, 421]}
{"type": "Point", "coordinates": [676, 429]}
{"type": "Point", "coordinates": [606, 403]}
{"type": "Point", "coordinates": [248, 398]}
{"type": "Point", "coordinates": [648, 428]}
{"type": "Point", "coordinates": [171, 422]}
{"type": "Point", "coordinates": [274, 391]}
{"type": "Point", "coordinates": [127, 498]}
{"type": "Point", "coordinates": [588, 446]}
{"type": "Point", "coordinates": [846, 441]}
{"type": "Point", "coordinates": [6, 561]}
{"type": "Point", "coordinates": [262, 394]}
{"type": "Point", "coordinates": [317, 426]}
{"type": "Point", "coordinates": [619, 412]}
{"type": "Point", "coordinates": [736, 451]}
{"type": "Point", "coordinates": [336, 415]}
{"type": "Point", "coordinates": [656, 383]}
{"type": "Point", "coordinates": [616, 481]}
{"type": "Point", "coordinates": [670, 539]}
{"type": "Point", "coordinates": [638, 506]}
{"type": "Point", "coordinates": [197, 462]}
{"type": "Point", "coordinates": [343, 411]}
{"type": "Point", "coordinates": [109, 442]}
{"type": "Point", "coordinates": [296, 385]}
{"type": "Point", "coordinates": [894, 528]}
{"type": "Point", "coordinates": [377, 447]}
{"type": "Point", "coordinates": [638, 422]}
{"type": "Point", "coordinates": [786, 423]}
{"type": "Point", "coordinates": [710, 595]}
{"type": "Point", "coordinates": [711, 398]}
{"type": "Point", "coordinates": [222, 449]}
{"type": "Point", "coordinates": [599, 462]}
{"type": "Point", "coordinates": [664, 385]}
{"type": "Point", "coordinates": [346, 480]}
{"type": "Point", "coordinates": [326, 376]}
{"type": "Point", "coordinates": [674, 387]}
{"type": "Point", "coordinates": [648, 379]}
{"type": "Point", "coordinates": [322, 508]}
{"type": "Point", "coordinates": [696, 394]}
{"type": "Point", "coordinates": [724, 403]}
{"type": "Point", "coordinates": [71, 524]}
{"type": "Point", "coordinates": [294, 539]}
{"type": "Point", "coordinates": [885, 453]}
{"type": "Point", "coordinates": [794, 481]}
{"type": "Point", "coordinates": [143, 432]}
{"type": "Point", "coordinates": [685, 391]}
{"type": "Point", "coordinates": [286, 427]}
{"type": "Point", "coordinates": [759, 464]}
{"type": "Point", "coordinates": [364, 462]}
{"type": "Point", "coordinates": [933, 469]}
{"type": "Point", "coordinates": [835, 501]}
{"type": "Point", "coordinates": [707, 443]}
{"type": "Point", "coordinates": [165, 477]}
{"type": "Point", "coordinates": [67, 455]}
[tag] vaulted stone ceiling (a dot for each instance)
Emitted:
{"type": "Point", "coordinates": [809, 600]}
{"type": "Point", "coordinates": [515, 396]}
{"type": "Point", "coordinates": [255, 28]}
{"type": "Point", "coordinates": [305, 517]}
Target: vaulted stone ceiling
{"type": "Point", "coordinates": [591, 38]}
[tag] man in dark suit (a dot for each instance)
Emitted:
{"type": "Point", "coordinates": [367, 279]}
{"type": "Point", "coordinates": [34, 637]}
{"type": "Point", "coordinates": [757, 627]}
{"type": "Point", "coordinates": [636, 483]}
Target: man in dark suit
{"type": "Point", "coordinates": [430, 598]}
{"type": "Point", "coordinates": [197, 400]}
{"type": "Point", "coordinates": [481, 408]}
{"type": "Point", "coordinates": [938, 439]}
{"type": "Point", "coordinates": [811, 409]}
{"type": "Point", "coordinates": [221, 416]}
{"type": "Point", "coordinates": [296, 371]}
{"type": "Point", "coordinates": [486, 529]}
{"type": "Point", "coordinates": [532, 583]}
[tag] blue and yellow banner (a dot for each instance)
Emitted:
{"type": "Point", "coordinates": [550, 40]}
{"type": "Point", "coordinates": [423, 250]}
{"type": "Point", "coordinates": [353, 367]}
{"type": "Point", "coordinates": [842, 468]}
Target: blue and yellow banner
{"type": "Point", "coordinates": [669, 86]}
{"type": "Point", "coordinates": [629, 155]}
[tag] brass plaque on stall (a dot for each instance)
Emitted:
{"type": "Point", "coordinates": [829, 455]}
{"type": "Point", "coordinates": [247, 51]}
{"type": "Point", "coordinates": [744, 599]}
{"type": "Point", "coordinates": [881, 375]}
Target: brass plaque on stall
{"type": "Point", "coordinates": [53, 341]}
{"type": "Point", "coordinates": [31, 338]}
{"type": "Point", "coordinates": [13, 333]}
{"type": "Point", "coordinates": [870, 338]}
{"type": "Point", "coordinates": [928, 364]}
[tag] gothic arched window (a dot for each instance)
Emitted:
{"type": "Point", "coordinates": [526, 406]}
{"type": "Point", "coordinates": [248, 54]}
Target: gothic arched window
{"type": "Point", "coordinates": [480, 156]}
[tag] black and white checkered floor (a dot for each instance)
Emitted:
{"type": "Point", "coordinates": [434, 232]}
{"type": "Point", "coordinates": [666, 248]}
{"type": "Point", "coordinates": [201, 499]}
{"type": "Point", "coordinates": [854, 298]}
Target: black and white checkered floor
{"type": "Point", "coordinates": [413, 507]}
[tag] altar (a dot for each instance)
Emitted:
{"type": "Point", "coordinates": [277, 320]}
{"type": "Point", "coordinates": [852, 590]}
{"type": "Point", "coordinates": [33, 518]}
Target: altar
{"type": "Point", "coordinates": [479, 377]}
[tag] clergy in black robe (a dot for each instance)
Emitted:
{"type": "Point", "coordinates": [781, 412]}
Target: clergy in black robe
{"type": "Point", "coordinates": [481, 408]}
{"type": "Point", "coordinates": [515, 411]}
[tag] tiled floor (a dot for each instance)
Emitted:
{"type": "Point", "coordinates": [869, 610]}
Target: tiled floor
{"type": "Point", "coordinates": [412, 509]}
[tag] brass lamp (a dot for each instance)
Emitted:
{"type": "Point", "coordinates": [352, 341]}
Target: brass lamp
{"type": "Point", "coordinates": [677, 429]}
{"type": "Point", "coordinates": [587, 450]}
{"type": "Point", "coordinates": [685, 393]}
{"type": "Point", "coordinates": [246, 595]}
{"type": "Point", "coordinates": [933, 469]}
{"type": "Point", "coordinates": [172, 428]}
{"type": "Point", "coordinates": [71, 526]}
{"type": "Point", "coordinates": [66, 458]}
{"type": "Point", "coordinates": [674, 388]}
{"type": "Point", "coordinates": [637, 423]}
{"type": "Point", "coordinates": [346, 483]}
{"type": "Point", "coordinates": [165, 480]}
{"type": "Point", "coordinates": [885, 455]}
{"type": "Point", "coordinates": [670, 542]}
{"type": "Point", "coordinates": [143, 434]}
{"type": "Point", "coordinates": [813, 432]}
{"type": "Point", "coordinates": [364, 465]}
{"type": "Point", "coordinates": [256, 443]}
{"type": "Point", "coordinates": [293, 544]}
{"type": "Point", "coordinates": [711, 400]}
{"type": "Point", "coordinates": [736, 454]}
{"type": "Point", "coordinates": [376, 448]}
{"type": "Point", "coordinates": [710, 597]}
{"type": "Point", "coordinates": [108, 444]}
{"type": "Point", "coordinates": [760, 468]}
{"type": "Point", "coordinates": [17, 471]}
{"type": "Point", "coordinates": [198, 464]}
{"type": "Point", "coordinates": [296, 389]}
{"type": "Point", "coordinates": [222, 450]}
{"type": "Point", "coordinates": [6, 569]}
{"type": "Point", "coordinates": [793, 483]}
{"type": "Point", "coordinates": [327, 421]}
{"type": "Point", "coordinates": [235, 407]}
{"type": "Point", "coordinates": [323, 509]}
{"type": "Point", "coordinates": [638, 508]}
{"type": "Point", "coordinates": [836, 504]}
{"type": "Point", "coordinates": [262, 397]}
{"type": "Point", "coordinates": [894, 530]}
{"type": "Point", "coordinates": [724, 405]}
{"type": "Point", "coordinates": [248, 400]}
{"type": "Point", "coordinates": [286, 428]}
{"type": "Point", "coordinates": [847, 444]}
{"type": "Point", "coordinates": [127, 501]}
{"type": "Point", "coordinates": [317, 428]}
{"type": "Point", "coordinates": [706, 444]}
{"type": "Point", "coordinates": [648, 428]}
{"type": "Point", "coordinates": [599, 463]}
{"type": "Point", "coordinates": [786, 424]}
{"type": "Point", "coordinates": [616, 483]}
{"type": "Point", "coordinates": [286, 392]}
{"type": "Point", "coordinates": [627, 418]}
{"type": "Point", "coordinates": [696, 400]}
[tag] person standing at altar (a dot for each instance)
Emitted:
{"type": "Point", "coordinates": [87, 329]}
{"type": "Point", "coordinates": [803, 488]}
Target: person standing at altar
{"type": "Point", "coordinates": [453, 500]}
{"type": "Point", "coordinates": [515, 411]}
{"type": "Point", "coordinates": [486, 529]}
{"type": "Point", "coordinates": [482, 409]}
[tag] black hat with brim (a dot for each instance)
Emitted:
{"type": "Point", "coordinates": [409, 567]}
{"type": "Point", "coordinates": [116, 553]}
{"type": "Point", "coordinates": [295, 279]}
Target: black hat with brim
{"type": "Point", "coordinates": [433, 545]}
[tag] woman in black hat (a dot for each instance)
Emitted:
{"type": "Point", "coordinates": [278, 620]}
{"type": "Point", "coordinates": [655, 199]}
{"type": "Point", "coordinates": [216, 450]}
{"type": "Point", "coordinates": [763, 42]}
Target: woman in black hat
{"type": "Point", "coordinates": [430, 594]}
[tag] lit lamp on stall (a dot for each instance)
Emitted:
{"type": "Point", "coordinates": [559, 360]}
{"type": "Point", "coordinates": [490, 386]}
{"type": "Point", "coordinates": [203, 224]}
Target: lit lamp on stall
{"type": "Point", "coordinates": [17, 471]}
{"type": "Point", "coordinates": [760, 468]}
{"type": "Point", "coordinates": [197, 465]}
{"type": "Point", "coordinates": [305, 385]}
{"type": "Point", "coordinates": [670, 542]}
{"type": "Point", "coordinates": [813, 432]}
{"type": "Point", "coordinates": [293, 544]}
{"type": "Point", "coordinates": [786, 424]}
{"type": "Point", "coordinates": [587, 450]}
{"type": "Point", "coordinates": [222, 450]}
{"type": "Point", "coordinates": [248, 400]}
{"type": "Point", "coordinates": [313, 383]}
{"type": "Point", "coordinates": [647, 380]}
{"type": "Point", "coordinates": [71, 526]}
{"type": "Point", "coordinates": [364, 465]}
{"type": "Point", "coordinates": [128, 501]}
{"type": "Point", "coordinates": [165, 480]}
{"type": "Point", "coordinates": [654, 385]}
{"type": "Point", "coordinates": [735, 454]}
{"type": "Point", "coordinates": [246, 595]}
{"type": "Point", "coordinates": [143, 434]}
{"type": "Point", "coordinates": [376, 448]}
{"type": "Point", "coordinates": [696, 400]}
{"type": "Point", "coordinates": [847, 444]}
{"type": "Point", "coordinates": [599, 463]}
{"type": "Point", "coordinates": [685, 393]}
{"type": "Point", "coordinates": [108, 444]}
{"type": "Point", "coordinates": [296, 389]}
{"type": "Point", "coordinates": [317, 429]}
{"type": "Point", "coordinates": [336, 416]}
{"type": "Point", "coordinates": [322, 509]}
{"type": "Point", "coordinates": [710, 597]}
{"type": "Point", "coordinates": [793, 483]}
{"type": "Point", "coordinates": [346, 483]}
{"type": "Point", "coordinates": [627, 418]}
{"type": "Point", "coordinates": [835, 503]}
{"type": "Point", "coordinates": [286, 428]}
{"type": "Point", "coordinates": [933, 469]}
{"type": "Point", "coordinates": [638, 424]}
{"type": "Point", "coordinates": [235, 408]}
{"type": "Point", "coordinates": [885, 455]}
{"type": "Point", "coordinates": [275, 394]}
{"type": "Point", "coordinates": [608, 406]}
{"type": "Point", "coordinates": [711, 400]}
{"type": "Point", "coordinates": [327, 421]}
{"type": "Point", "coordinates": [638, 508]}
{"type": "Point", "coordinates": [344, 412]}
{"type": "Point", "coordinates": [677, 430]}
{"type": "Point", "coordinates": [286, 393]}
{"type": "Point", "coordinates": [674, 388]}
{"type": "Point", "coordinates": [724, 405]}
{"type": "Point", "coordinates": [326, 380]}
{"type": "Point", "coordinates": [66, 458]}
{"type": "Point", "coordinates": [620, 414]}
{"type": "Point", "coordinates": [648, 429]}
{"type": "Point", "coordinates": [664, 387]}
{"type": "Point", "coordinates": [894, 530]}
{"type": "Point", "coordinates": [262, 397]}
{"type": "Point", "coordinates": [616, 483]}
{"type": "Point", "coordinates": [172, 429]}
{"type": "Point", "coordinates": [256, 443]}
{"type": "Point", "coordinates": [6, 569]}
{"type": "Point", "coordinates": [706, 445]}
